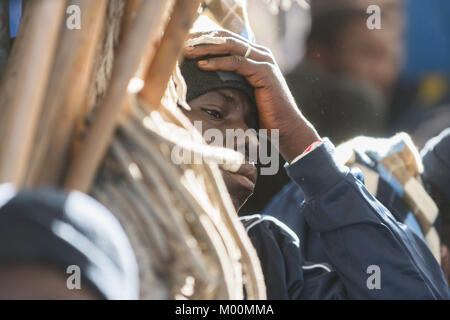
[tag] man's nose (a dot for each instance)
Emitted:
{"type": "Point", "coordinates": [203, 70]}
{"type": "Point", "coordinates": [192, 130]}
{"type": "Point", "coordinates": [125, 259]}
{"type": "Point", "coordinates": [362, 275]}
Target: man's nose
{"type": "Point", "coordinates": [248, 144]}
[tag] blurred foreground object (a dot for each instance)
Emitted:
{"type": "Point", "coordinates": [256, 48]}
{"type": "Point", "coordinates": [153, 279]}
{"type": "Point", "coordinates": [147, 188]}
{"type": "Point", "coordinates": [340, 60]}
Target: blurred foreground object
{"type": "Point", "coordinates": [231, 15]}
{"type": "Point", "coordinates": [53, 232]}
{"type": "Point", "coordinates": [24, 84]}
{"type": "Point", "coordinates": [107, 124]}
{"type": "Point", "coordinates": [436, 175]}
{"type": "Point", "coordinates": [4, 34]}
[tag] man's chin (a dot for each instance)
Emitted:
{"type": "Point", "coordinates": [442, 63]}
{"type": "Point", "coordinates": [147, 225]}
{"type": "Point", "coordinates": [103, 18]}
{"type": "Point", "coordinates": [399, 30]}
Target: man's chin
{"type": "Point", "coordinates": [239, 194]}
{"type": "Point", "coordinates": [239, 187]}
{"type": "Point", "coordinates": [239, 202]}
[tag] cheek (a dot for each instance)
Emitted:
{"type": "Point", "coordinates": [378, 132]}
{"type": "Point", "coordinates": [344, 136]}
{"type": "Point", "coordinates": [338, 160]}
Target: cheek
{"type": "Point", "coordinates": [198, 118]}
{"type": "Point", "coordinates": [212, 132]}
{"type": "Point", "coordinates": [239, 194]}
{"type": "Point", "coordinates": [198, 115]}
{"type": "Point", "coordinates": [193, 115]}
{"type": "Point", "coordinates": [214, 136]}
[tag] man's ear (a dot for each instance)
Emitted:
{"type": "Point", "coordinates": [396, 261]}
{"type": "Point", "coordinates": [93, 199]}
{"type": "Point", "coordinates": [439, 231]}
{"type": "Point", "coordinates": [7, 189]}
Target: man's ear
{"type": "Point", "coordinates": [445, 261]}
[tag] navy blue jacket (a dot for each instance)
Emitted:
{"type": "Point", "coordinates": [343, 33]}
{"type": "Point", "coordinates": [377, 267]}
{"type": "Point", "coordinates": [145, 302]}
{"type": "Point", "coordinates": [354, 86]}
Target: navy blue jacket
{"type": "Point", "coordinates": [356, 232]}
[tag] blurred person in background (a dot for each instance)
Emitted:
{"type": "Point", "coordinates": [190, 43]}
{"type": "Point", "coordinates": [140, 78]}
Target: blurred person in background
{"type": "Point", "coordinates": [421, 102]}
{"type": "Point", "coordinates": [58, 246]}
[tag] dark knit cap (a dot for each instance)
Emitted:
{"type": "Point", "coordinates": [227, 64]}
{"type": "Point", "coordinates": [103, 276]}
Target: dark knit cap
{"type": "Point", "coordinates": [200, 82]}
{"type": "Point", "coordinates": [53, 228]}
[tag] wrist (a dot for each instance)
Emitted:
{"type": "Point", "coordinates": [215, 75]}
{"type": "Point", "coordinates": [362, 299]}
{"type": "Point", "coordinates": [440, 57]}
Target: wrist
{"type": "Point", "coordinates": [296, 137]}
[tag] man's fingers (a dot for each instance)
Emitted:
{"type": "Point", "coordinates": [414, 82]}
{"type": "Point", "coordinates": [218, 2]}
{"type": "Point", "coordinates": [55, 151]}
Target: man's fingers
{"type": "Point", "coordinates": [229, 34]}
{"type": "Point", "coordinates": [232, 47]}
{"type": "Point", "coordinates": [218, 33]}
{"type": "Point", "coordinates": [255, 72]}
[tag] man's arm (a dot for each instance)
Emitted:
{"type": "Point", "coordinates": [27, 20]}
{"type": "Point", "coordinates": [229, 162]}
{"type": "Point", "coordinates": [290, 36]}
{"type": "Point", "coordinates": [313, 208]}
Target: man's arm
{"type": "Point", "coordinates": [286, 274]}
{"type": "Point", "coordinates": [360, 236]}
{"type": "Point", "coordinates": [355, 228]}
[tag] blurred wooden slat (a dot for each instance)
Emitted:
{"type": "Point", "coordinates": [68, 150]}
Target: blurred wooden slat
{"type": "Point", "coordinates": [102, 65]}
{"type": "Point", "coordinates": [169, 51]}
{"type": "Point", "coordinates": [66, 94]}
{"type": "Point", "coordinates": [24, 83]}
{"type": "Point", "coordinates": [5, 42]}
{"type": "Point", "coordinates": [144, 29]}
{"type": "Point", "coordinates": [131, 10]}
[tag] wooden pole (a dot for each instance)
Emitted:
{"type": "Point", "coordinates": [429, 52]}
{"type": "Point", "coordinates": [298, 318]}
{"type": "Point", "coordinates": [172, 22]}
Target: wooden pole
{"type": "Point", "coordinates": [24, 83]}
{"type": "Point", "coordinates": [5, 42]}
{"type": "Point", "coordinates": [66, 93]}
{"type": "Point", "coordinates": [144, 30]}
{"type": "Point", "coordinates": [131, 10]}
{"type": "Point", "coordinates": [131, 7]}
{"type": "Point", "coordinates": [169, 51]}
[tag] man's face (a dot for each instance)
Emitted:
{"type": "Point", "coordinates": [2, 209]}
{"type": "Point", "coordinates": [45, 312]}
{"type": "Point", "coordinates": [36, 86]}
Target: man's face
{"type": "Point", "coordinates": [229, 109]}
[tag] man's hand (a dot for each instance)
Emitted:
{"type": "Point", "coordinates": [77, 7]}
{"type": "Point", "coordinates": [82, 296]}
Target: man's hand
{"type": "Point", "coordinates": [276, 106]}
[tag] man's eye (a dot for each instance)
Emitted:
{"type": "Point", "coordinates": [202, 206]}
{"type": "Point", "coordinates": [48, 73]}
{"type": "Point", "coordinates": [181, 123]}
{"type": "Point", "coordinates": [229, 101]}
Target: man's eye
{"type": "Point", "coordinates": [216, 115]}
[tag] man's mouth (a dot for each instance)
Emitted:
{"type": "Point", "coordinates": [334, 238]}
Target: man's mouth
{"type": "Point", "coordinates": [246, 176]}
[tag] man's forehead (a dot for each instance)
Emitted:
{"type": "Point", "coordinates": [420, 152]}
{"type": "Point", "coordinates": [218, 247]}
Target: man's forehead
{"type": "Point", "coordinates": [241, 100]}
{"type": "Point", "coordinates": [229, 97]}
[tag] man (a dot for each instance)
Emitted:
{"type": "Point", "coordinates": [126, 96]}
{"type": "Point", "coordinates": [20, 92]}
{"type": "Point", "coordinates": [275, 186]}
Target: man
{"type": "Point", "coordinates": [62, 246]}
{"type": "Point", "coordinates": [357, 232]}
{"type": "Point", "coordinates": [342, 40]}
